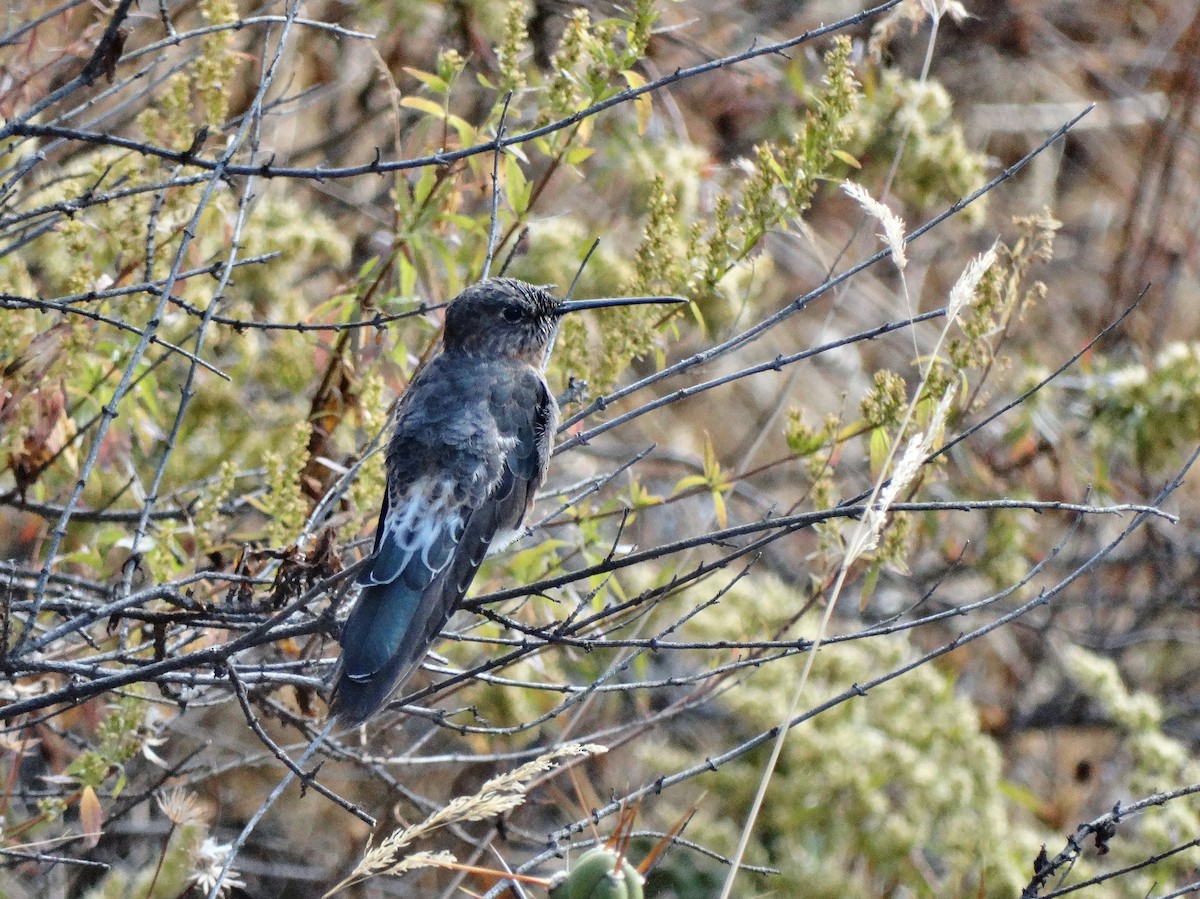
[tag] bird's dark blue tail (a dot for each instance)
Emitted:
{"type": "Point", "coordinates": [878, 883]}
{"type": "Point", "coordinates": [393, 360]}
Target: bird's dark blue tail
{"type": "Point", "coordinates": [383, 643]}
{"type": "Point", "coordinates": [408, 595]}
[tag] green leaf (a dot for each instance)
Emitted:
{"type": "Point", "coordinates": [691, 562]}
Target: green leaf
{"type": "Point", "coordinates": [467, 223]}
{"type": "Point", "coordinates": [367, 267]}
{"type": "Point", "coordinates": [846, 158]}
{"type": "Point", "coordinates": [424, 186]}
{"type": "Point", "coordinates": [329, 306]}
{"type": "Point", "coordinates": [642, 105]}
{"type": "Point", "coordinates": [719, 508]}
{"type": "Point", "coordinates": [880, 446]}
{"type": "Point", "coordinates": [517, 189]}
{"type": "Point", "coordinates": [536, 562]}
{"type": "Point", "coordinates": [466, 131]}
{"type": "Point", "coordinates": [805, 442]}
{"type": "Point", "coordinates": [870, 582]}
{"type": "Point", "coordinates": [121, 781]}
{"type": "Point", "coordinates": [430, 80]}
{"type": "Point", "coordinates": [425, 105]}
{"type": "Point", "coordinates": [686, 483]}
{"type": "Point", "coordinates": [407, 276]}
{"type": "Point", "coordinates": [576, 155]}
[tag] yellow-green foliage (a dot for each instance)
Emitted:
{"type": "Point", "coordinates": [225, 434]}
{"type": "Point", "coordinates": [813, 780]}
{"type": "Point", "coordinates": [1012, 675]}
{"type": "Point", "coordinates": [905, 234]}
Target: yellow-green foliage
{"type": "Point", "coordinates": [285, 224]}
{"type": "Point", "coordinates": [780, 184]}
{"type": "Point", "coordinates": [871, 798]}
{"type": "Point", "coordinates": [104, 245]}
{"type": "Point", "coordinates": [885, 402]}
{"type": "Point", "coordinates": [1148, 412]}
{"type": "Point", "coordinates": [224, 423]}
{"type": "Point", "coordinates": [208, 521]}
{"type": "Point", "coordinates": [508, 51]}
{"type": "Point", "coordinates": [970, 352]}
{"type": "Point", "coordinates": [201, 88]}
{"type": "Point", "coordinates": [786, 175]}
{"type": "Point", "coordinates": [368, 486]}
{"type": "Point", "coordinates": [119, 738]}
{"type": "Point", "coordinates": [815, 447]}
{"type": "Point", "coordinates": [1004, 556]}
{"type": "Point", "coordinates": [1158, 762]}
{"type": "Point", "coordinates": [215, 64]}
{"type": "Point", "coordinates": [284, 504]}
{"type": "Point", "coordinates": [701, 254]}
{"type": "Point", "coordinates": [590, 58]}
{"type": "Point", "coordinates": [936, 166]}
{"type": "Point", "coordinates": [169, 880]}
{"type": "Point", "coordinates": [1004, 292]}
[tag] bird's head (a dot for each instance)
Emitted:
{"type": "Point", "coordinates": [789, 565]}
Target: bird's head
{"type": "Point", "coordinates": [502, 317]}
{"type": "Point", "coordinates": [509, 318]}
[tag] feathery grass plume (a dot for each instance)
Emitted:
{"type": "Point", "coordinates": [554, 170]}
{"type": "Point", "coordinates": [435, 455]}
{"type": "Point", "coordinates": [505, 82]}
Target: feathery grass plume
{"type": "Point", "coordinates": [938, 8]}
{"type": "Point", "coordinates": [912, 459]}
{"type": "Point", "coordinates": [914, 12]}
{"type": "Point", "coordinates": [903, 474]}
{"type": "Point", "coordinates": [892, 237]}
{"type": "Point", "coordinates": [893, 225]}
{"type": "Point", "coordinates": [963, 291]}
{"type": "Point", "coordinates": [1004, 292]}
{"type": "Point", "coordinates": [498, 795]}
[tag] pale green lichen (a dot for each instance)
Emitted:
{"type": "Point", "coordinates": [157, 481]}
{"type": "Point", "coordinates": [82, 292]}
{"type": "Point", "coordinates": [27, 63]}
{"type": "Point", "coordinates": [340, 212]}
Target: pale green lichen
{"type": "Point", "coordinates": [915, 120]}
{"type": "Point", "coordinates": [893, 791]}
{"type": "Point", "coordinates": [1147, 412]}
{"type": "Point", "coordinates": [1156, 762]}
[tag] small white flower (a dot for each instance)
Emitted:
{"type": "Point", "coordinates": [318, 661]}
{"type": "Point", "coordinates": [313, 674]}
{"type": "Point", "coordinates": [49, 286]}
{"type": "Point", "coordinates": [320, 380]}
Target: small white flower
{"type": "Point", "coordinates": [181, 807]}
{"type": "Point", "coordinates": [1127, 379]}
{"type": "Point", "coordinates": [1176, 351]}
{"type": "Point", "coordinates": [210, 859]}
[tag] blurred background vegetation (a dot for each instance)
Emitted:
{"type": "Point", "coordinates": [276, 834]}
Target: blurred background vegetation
{"type": "Point", "coordinates": [226, 232]}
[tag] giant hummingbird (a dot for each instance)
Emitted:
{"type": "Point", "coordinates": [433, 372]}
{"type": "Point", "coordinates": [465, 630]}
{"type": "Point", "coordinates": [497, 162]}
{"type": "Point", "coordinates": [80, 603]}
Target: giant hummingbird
{"type": "Point", "coordinates": [471, 444]}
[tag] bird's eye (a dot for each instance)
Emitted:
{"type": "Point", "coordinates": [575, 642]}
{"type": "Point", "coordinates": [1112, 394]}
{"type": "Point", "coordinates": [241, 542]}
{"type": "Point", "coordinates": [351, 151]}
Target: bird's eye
{"type": "Point", "coordinates": [511, 313]}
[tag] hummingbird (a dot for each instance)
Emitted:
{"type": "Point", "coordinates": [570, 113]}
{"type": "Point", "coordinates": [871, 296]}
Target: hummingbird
{"type": "Point", "coordinates": [471, 444]}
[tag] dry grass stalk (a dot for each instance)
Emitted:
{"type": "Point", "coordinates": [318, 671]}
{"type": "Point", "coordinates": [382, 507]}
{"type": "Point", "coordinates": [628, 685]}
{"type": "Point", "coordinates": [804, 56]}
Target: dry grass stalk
{"type": "Point", "coordinates": [498, 795]}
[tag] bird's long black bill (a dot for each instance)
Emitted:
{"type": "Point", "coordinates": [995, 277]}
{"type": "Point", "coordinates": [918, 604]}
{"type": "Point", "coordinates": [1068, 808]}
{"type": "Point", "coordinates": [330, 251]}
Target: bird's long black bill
{"type": "Point", "coordinates": [579, 305]}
